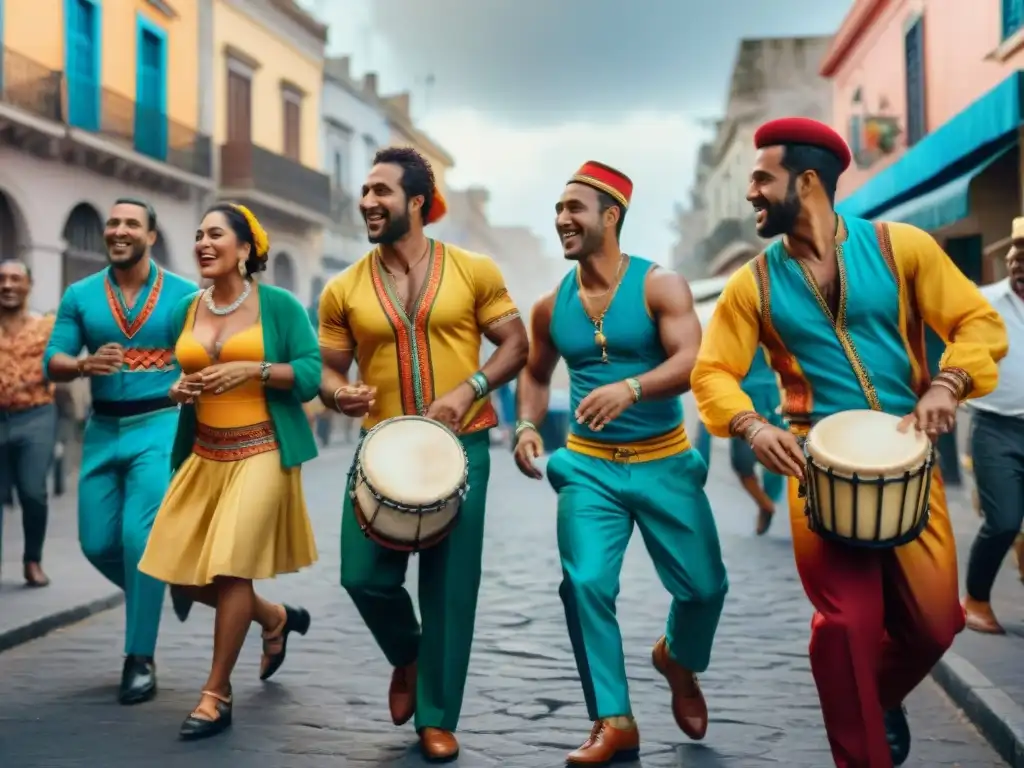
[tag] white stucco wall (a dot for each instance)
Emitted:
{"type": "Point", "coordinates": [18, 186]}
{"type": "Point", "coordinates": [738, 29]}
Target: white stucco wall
{"type": "Point", "coordinates": [43, 193]}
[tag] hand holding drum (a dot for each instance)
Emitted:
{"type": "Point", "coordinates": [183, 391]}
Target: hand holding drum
{"type": "Point", "coordinates": [355, 401]}
{"type": "Point", "coordinates": [779, 451]}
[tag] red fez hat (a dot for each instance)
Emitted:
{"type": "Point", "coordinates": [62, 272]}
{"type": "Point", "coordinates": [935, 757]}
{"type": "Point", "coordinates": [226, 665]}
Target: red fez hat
{"type": "Point", "coordinates": [803, 130]}
{"type": "Point", "coordinates": [438, 208]}
{"type": "Point", "coordinates": [605, 179]}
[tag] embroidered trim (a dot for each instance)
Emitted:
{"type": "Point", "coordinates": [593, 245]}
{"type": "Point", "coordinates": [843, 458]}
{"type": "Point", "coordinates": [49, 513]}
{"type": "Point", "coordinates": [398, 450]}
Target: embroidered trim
{"type": "Point", "coordinates": [118, 310]}
{"type": "Point", "coordinates": [885, 245]}
{"type": "Point", "coordinates": [486, 419]}
{"type": "Point", "coordinates": [502, 319]}
{"type": "Point", "coordinates": [797, 399]}
{"type": "Point", "coordinates": [415, 369]}
{"type": "Point", "coordinates": [138, 359]}
{"type": "Point", "coordinates": [839, 326]}
{"type": "Point", "coordinates": [234, 443]}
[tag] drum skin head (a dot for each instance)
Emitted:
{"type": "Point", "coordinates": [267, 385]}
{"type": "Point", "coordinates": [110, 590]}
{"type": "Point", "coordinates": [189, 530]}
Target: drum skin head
{"type": "Point", "coordinates": [413, 460]}
{"type": "Point", "coordinates": [866, 441]}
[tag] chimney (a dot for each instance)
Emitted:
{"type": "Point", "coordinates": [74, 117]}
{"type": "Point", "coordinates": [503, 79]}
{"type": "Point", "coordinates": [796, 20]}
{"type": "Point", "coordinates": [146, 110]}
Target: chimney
{"type": "Point", "coordinates": [370, 84]}
{"type": "Point", "coordinates": [338, 67]}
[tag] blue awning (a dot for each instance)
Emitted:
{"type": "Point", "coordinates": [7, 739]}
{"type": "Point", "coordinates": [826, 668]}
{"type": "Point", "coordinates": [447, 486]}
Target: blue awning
{"type": "Point", "coordinates": [971, 137]}
{"type": "Point", "coordinates": [943, 206]}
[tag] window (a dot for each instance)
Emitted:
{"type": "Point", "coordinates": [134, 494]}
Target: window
{"type": "Point", "coordinates": [82, 51]}
{"type": "Point", "coordinates": [1013, 16]}
{"type": "Point", "coordinates": [336, 172]}
{"type": "Point", "coordinates": [856, 142]}
{"type": "Point", "coordinates": [151, 90]}
{"type": "Point", "coordinates": [913, 51]}
{"type": "Point", "coordinates": [239, 103]}
{"type": "Point", "coordinates": [292, 101]}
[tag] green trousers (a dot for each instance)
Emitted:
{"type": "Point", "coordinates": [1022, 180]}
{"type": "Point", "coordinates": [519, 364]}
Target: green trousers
{"type": "Point", "coordinates": [449, 581]}
{"type": "Point", "coordinates": [598, 503]}
{"type": "Point", "coordinates": [126, 468]}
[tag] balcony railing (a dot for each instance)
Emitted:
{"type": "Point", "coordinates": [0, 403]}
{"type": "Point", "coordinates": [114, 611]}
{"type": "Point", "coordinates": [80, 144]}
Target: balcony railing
{"type": "Point", "coordinates": [244, 165]}
{"type": "Point", "coordinates": [48, 93]}
{"type": "Point", "coordinates": [30, 86]}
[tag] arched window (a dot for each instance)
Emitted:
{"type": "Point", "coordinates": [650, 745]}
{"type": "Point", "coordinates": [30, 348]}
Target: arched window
{"type": "Point", "coordinates": [282, 272]}
{"type": "Point", "coordinates": [86, 252]}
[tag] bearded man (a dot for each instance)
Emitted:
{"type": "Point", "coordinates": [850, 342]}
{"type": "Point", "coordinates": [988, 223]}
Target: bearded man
{"type": "Point", "coordinates": [121, 316]}
{"type": "Point", "coordinates": [411, 313]}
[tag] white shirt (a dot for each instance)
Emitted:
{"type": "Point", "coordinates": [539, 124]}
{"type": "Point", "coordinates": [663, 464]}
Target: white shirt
{"type": "Point", "coordinates": [1008, 397]}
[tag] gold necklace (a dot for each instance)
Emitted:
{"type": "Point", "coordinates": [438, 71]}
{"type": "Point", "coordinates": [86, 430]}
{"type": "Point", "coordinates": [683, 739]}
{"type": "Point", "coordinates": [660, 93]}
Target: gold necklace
{"type": "Point", "coordinates": [599, 338]}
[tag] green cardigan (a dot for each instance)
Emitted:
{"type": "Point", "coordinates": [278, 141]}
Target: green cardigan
{"type": "Point", "coordinates": [288, 337]}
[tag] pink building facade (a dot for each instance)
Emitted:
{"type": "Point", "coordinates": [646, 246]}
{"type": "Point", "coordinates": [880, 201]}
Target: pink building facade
{"type": "Point", "coordinates": [928, 93]}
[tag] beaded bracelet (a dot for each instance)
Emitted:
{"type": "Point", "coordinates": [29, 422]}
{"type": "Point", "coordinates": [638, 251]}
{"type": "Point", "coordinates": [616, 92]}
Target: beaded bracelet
{"type": "Point", "coordinates": [635, 388]}
{"type": "Point", "coordinates": [480, 384]}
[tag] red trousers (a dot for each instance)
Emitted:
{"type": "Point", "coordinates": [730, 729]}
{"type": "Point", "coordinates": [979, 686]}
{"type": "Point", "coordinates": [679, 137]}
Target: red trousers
{"type": "Point", "coordinates": [882, 620]}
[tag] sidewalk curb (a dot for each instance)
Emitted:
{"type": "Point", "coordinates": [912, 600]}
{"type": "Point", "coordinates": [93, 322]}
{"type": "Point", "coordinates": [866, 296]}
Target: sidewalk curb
{"type": "Point", "coordinates": [996, 715]}
{"type": "Point", "coordinates": [36, 629]}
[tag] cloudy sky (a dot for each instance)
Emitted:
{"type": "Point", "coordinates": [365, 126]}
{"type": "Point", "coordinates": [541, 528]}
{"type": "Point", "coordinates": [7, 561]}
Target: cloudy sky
{"type": "Point", "coordinates": [521, 92]}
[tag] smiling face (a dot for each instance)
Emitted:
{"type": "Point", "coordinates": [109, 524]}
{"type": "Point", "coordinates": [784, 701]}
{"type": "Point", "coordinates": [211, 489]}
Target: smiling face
{"type": "Point", "coordinates": [384, 206]}
{"type": "Point", "coordinates": [218, 249]}
{"type": "Point", "coordinates": [773, 194]}
{"type": "Point", "coordinates": [15, 285]}
{"type": "Point", "coordinates": [127, 235]}
{"type": "Point", "coordinates": [1015, 267]}
{"type": "Point", "coordinates": [581, 224]}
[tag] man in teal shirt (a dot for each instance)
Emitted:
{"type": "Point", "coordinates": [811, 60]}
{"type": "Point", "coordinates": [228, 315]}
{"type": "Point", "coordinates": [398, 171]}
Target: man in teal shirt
{"type": "Point", "coordinates": [121, 316]}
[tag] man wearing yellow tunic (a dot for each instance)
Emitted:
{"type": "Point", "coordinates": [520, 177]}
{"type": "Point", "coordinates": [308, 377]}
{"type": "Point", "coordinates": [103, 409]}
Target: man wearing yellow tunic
{"type": "Point", "coordinates": [841, 303]}
{"type": "Point", "coordinates": [411, 313]}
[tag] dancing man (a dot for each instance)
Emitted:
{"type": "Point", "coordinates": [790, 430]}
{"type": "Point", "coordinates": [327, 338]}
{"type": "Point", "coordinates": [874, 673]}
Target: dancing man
{"type": "Point", "coordinates": [629, 335]}
{"type": "Point", "coordinates": [841, 303]}
{"type": "Point", "coordinates": [411, 313]}
{"type": "Point", "coordinates": [121, 315]}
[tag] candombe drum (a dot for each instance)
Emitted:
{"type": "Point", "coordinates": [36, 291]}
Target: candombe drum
{"type": "Point", "coordinates": [867, 484]}
{"type": "Point", "coordinates": [409, 477]}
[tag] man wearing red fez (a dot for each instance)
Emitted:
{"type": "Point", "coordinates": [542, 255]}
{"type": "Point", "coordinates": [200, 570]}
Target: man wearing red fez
{"type": "Point", "coordinates": [629, 335]}
{"type": "Point", "coordinates": [411, 313]}
{"type": "Point", "coordinates": [840, 303]}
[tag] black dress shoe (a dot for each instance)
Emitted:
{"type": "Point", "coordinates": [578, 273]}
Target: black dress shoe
{"type": "Point", "coordinates": [197, 726]}
{"type": "Point", "coordinates": [296, 620]}
{"type": "Point", "coordinates": [181, 603]}
{"type": "Point", "coordinates": [897, 733]}
{"type": "Point", "coordinates": [138, 680]}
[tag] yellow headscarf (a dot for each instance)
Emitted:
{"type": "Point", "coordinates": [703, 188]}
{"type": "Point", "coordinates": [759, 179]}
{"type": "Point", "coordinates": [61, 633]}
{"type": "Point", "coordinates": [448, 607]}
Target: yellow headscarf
{"type": "Point", "coordinates": [259, 234]}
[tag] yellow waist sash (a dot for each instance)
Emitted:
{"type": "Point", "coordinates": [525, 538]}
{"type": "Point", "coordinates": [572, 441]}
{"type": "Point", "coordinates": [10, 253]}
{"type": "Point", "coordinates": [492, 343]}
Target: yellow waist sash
{"type": "Point", "coordinates": [652, 449]}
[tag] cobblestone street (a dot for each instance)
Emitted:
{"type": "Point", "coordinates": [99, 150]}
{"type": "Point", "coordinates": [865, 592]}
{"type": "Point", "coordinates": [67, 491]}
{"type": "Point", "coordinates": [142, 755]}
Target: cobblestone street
{"type": "Point", "coordinates": [327, 706]}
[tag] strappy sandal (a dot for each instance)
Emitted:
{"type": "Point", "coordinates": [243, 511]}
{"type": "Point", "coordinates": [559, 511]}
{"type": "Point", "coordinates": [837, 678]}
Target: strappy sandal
{"type": "Point", "coordinates": [275, 644]}
{"type": "Point", "coordinates": [199, 725]}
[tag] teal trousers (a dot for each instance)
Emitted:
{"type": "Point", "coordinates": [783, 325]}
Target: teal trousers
{"type": "Point", "coordinates": [126, 468]}
{"type": "Point", "coordinates": [450, 572]}
{"type": "Point", "coordinates": [598, 503]}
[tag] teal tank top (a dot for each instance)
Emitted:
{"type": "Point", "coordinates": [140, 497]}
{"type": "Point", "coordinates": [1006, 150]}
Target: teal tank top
{"type": "Point", "coordinates": [634, 348]}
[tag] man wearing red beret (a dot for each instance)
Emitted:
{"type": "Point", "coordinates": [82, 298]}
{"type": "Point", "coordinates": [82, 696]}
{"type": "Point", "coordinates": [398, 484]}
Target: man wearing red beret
{"type": "Point", "coordinates": [629, 335]}
{"type": "Point", "coordinates": [840, 304]}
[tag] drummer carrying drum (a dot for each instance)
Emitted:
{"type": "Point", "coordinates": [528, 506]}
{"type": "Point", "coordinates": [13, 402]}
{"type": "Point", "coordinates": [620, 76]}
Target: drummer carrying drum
{"type": "Point", "coordinates": [412, 313]}
{"type": "Point", "coordinates": [841, 303]}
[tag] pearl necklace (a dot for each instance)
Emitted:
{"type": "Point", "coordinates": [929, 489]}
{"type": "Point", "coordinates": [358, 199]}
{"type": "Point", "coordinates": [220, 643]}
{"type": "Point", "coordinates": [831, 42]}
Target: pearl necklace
{"type": "Point", "coordinates": [208, 296]}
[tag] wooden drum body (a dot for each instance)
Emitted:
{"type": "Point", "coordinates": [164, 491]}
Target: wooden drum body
{"type": "Point", "coordinates": [867, 484]}
{"type": "Point", "coordinates": [408, 481]}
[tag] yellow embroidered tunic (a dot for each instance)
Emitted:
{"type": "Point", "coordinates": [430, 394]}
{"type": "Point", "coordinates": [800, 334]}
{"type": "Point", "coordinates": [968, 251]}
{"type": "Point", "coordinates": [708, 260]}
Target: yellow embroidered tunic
{"type": "Point", "coordinates": [893, 278]}
{"type": "Point", "coordinates": [416, 356]}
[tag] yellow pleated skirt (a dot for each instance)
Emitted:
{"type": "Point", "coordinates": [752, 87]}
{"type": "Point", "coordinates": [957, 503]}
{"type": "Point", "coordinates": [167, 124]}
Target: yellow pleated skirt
{"type": "Point", "coordinates": [245, 519]}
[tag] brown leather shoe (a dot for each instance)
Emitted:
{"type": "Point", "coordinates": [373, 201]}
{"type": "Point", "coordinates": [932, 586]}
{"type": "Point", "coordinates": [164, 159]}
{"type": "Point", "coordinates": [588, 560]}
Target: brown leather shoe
{"type": "Point", "coordinates": [34, 575]}
{"type": "Point", "coordinates": [981, 618]}
{"type": "Point", "coordinates": [688, 706]}
{"type": "Point", "coordinates": [606, 744]}
{"type": "Point", "coordinates": [402, 694]}
{"type": "Point", "coordinates": [438, 746]}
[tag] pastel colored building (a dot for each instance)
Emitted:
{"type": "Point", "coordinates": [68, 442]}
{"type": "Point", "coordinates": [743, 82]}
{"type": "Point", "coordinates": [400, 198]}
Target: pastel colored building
{"type": "Point", "coordinates": [89, 112]}
{"type": "Point", "coordinates": [265, 82]}
{"type": "Point", "coordinates": [928, 93]}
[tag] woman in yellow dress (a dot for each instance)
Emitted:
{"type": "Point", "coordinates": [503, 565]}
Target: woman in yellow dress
{"type": "Point", "coordinates": [235, 510]}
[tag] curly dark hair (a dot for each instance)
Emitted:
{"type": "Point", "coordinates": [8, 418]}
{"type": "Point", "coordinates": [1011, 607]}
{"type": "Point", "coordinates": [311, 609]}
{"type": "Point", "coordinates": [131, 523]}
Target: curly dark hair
{"type": "Point", "coordinates": [417, 175]}
{"type": "Point", "coordinates": [240, 226]}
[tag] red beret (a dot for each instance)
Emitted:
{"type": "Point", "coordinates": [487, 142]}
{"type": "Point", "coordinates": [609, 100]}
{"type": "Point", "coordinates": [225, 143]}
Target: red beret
{"type": "Point", "coordinates": [803, 130]}
{"type": "Point", "coordinates": [605, 179]}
